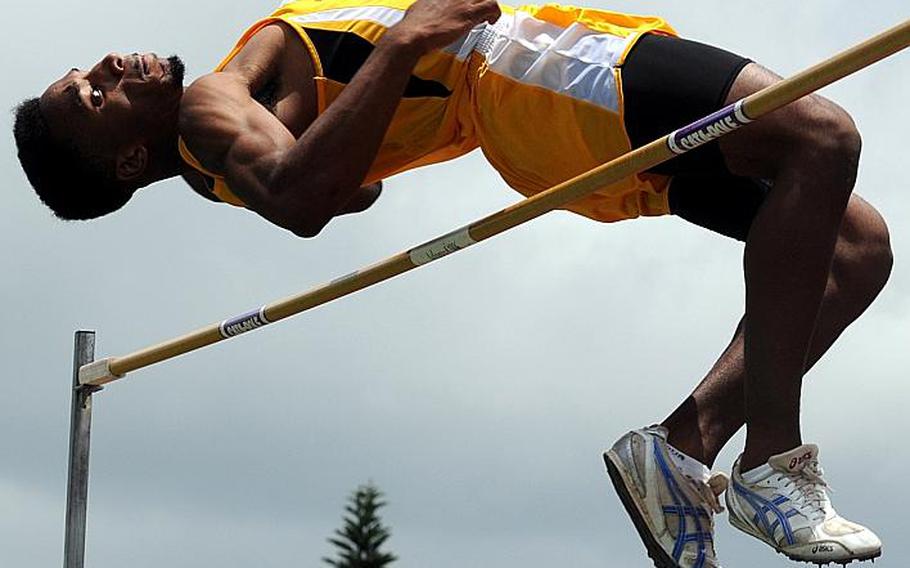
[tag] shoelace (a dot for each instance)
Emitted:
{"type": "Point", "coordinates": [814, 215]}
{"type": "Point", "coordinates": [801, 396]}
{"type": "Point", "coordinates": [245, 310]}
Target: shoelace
{"type": "Point", "coordinates": [711, 490]}
{"type": "Point", "coordinates": [810, 488]}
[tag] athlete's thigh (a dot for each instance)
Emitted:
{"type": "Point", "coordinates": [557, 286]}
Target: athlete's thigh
{"type": "Point", "coordinates": [764, 147]}
{"type": "Point", "coordinates": [668, 83]}
{"type": "Point", "coordinates": [725, 204]}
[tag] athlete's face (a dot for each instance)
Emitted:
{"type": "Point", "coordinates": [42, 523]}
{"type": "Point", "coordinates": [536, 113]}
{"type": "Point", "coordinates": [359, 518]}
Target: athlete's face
{"type": "Point", "coordinates": [122, 102]}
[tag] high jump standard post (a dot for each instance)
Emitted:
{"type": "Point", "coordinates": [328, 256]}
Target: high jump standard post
{"type": "Point", "coordinates": [95, 374]}
{"type": "Point", "coordinates": [80, 437]}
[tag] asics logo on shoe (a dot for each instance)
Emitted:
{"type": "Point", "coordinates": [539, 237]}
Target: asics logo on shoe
{"type": "Point", "coordinates": [676, 453]}
{"type": "Point", "coordinates": [672, 512]}
{"type": "Point", "coordinates": [685, 512]}
{"type": "Point", "coordinates": [789, 509]}
{"type": "Point", "coordinates": [769, 514]}
{"type": "Point", "coordinates": [798, 461]}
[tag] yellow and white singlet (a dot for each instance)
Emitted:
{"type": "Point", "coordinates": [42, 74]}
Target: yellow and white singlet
{"type": "Point", "coordinates": [539, 92]}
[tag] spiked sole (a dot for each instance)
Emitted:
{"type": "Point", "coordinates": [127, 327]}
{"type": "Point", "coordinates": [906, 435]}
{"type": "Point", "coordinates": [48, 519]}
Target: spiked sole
{"type": "Point", "coordinates": [622, 485]}
{"type": "Point", "coordinates": [764, 539]}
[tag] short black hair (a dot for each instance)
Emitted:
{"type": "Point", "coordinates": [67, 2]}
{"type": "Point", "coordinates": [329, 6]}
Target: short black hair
{"type": "Point", "coordinates": [75, 184]}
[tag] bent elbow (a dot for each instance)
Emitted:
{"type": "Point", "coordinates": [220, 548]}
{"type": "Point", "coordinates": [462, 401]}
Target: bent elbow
{"type": "Point", "coordinates": [300, 206]}
{"type": "Point", "coordinates": [296, 216]}
{"type": "Point", "coordinates": [306, 233]}
{"type": "Point", "coordinates": [308, 229]}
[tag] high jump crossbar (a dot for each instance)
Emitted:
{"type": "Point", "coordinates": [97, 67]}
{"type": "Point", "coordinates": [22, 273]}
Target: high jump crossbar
{"type": "Point", "coordinates": [683, 140]}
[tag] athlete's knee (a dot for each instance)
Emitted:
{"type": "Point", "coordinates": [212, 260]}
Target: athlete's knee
{"type": "Point", "coordinates": [863, 256]}
{"type": "Point", "coordinates": [828, 142]}
{"type": "Point", "coordinates": [878, 257]}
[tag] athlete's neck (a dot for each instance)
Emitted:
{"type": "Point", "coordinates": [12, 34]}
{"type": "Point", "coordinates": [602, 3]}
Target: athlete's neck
{"type": "Point", "coordinates": [165, 160]}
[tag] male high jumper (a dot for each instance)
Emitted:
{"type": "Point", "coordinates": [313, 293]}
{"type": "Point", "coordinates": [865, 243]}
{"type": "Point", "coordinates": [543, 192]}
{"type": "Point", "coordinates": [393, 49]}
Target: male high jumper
{"type": "Point", "coordinates": [323, 99]}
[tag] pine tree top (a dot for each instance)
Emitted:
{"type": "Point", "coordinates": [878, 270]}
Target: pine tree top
{"type": "Point", "coordinates": [359, 541]}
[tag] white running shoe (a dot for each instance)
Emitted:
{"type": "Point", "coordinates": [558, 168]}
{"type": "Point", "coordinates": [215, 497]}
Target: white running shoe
{"type": "Point", "coordinates": [789, 509]}
{"type": "Point", "coordinates": [672, 512]}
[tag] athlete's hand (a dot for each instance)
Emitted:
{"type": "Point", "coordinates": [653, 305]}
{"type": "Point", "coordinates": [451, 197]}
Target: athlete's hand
{"type": "Point", "coordinates": [433, 24]}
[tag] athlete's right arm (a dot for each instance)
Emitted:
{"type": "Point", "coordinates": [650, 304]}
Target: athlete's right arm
{"type": "Point", "coordinates": [301, 184]}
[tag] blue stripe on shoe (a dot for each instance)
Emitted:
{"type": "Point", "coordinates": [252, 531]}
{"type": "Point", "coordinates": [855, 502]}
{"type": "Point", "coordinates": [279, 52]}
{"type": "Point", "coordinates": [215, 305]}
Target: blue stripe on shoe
{"type": "Point", "coordinates": [763, 507]}
{"type": "Point", "coordinates": [683, 509]}
{"type": "Point", "coordinates": [691, 511]}
{"type": "Point", "coordinates": [776, 523]}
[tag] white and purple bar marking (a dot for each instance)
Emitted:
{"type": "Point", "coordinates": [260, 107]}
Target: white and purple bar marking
{"type": "Point", "coordinates": [244, 323]}
{"type": "Point", "coordinates": [714, 126]}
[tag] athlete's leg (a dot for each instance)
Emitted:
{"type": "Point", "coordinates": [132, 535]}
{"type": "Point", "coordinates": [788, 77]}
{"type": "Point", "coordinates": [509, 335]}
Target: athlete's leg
{"type": "Point", "coordinates": [661, 97]}
{"type": "Point", "coordinates": [799, 294]}
{"type": "Point", "coordinates": [810, 151]}
{"type": "Point", "coordinates": [715, 411]}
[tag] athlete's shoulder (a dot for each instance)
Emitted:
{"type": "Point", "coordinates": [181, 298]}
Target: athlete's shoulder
{"type": "Point", "coordinates": [235, 78]}
{"type": "Point", "coordinates": [210, 92]}
{"type": "Point", "coordinates": [209, 108]}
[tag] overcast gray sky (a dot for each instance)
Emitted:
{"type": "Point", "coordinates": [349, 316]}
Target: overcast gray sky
{"type": "Point", "coordinates": [478, 393]}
